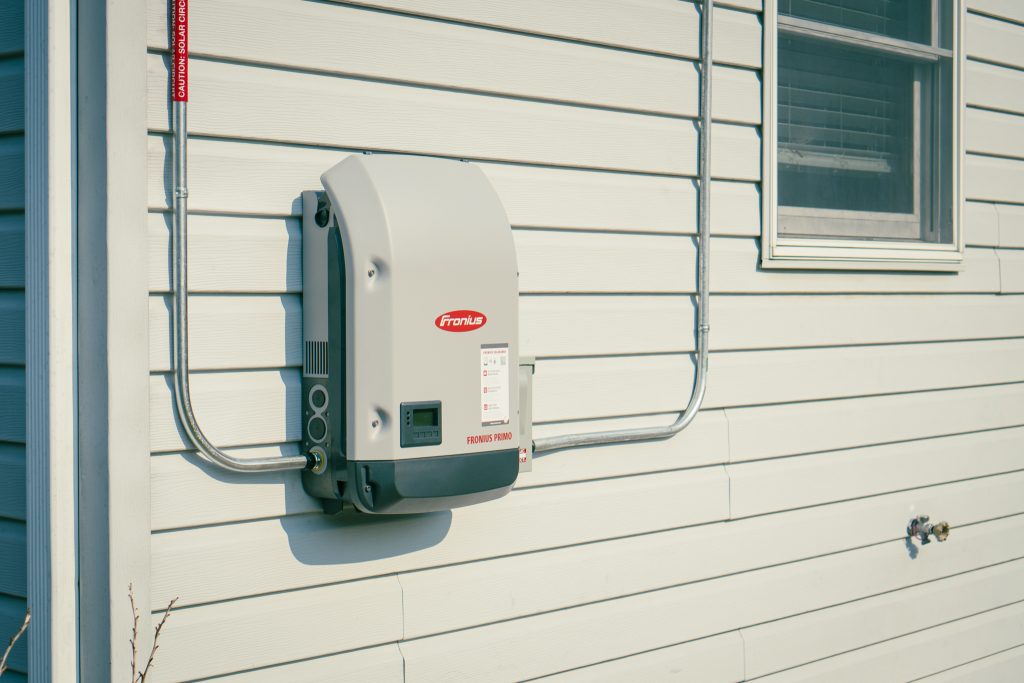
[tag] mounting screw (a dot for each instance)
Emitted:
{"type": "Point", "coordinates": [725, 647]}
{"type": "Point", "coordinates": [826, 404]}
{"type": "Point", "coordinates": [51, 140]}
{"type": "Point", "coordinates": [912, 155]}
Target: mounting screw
{"type": "Point", "coordinates": [375, 424]}
{"type": "Point", "coordinates": [371, 272]}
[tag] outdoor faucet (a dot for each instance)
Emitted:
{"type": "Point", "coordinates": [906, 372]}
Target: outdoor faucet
{"type": "Point", "coordinates": [922, 529]}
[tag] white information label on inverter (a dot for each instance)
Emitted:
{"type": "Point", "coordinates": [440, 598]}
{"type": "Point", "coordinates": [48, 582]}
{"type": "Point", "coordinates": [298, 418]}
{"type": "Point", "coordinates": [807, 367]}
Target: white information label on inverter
{"type": "Point", "coordinates": [494, 384]}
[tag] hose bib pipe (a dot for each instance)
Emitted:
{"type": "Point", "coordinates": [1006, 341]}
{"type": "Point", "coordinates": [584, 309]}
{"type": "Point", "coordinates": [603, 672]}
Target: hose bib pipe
{"type": "Point", "coordinates": [179, 271]}
{"type": "Point", "coordinates": [703, 282]}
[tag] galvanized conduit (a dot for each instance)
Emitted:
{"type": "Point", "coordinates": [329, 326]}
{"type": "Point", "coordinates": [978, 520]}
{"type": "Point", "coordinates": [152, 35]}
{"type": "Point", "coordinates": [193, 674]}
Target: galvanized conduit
{"type": "Point", "coordinates": [179, 286]}
{"type": "Point", "coordinates": [700, 380]}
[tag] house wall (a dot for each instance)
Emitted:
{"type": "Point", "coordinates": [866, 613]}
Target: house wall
{"type": "Point", "coordinates": [766, 539]}
{"type": "Point", "coordinates": [13, 586]}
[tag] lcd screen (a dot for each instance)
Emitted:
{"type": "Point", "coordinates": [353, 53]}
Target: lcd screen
{"type": "Point", "coordinates": [424, 417]}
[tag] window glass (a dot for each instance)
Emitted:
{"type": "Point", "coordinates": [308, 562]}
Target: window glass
{"type": "Point", "coordinates": [903, 19]}
{"type": "Point", "coordinates": [845, 127]}
{"type": "Point", "coordinates": [864, 129]}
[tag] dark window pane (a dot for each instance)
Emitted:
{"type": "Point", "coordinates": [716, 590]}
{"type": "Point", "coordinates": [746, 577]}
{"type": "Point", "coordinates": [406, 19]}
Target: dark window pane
{"type": "Point", "coordinates": [846, 128]}
{"type": "Point", "coordinates": [946, 20]}
{"type": "Point", "coordinates": [942, 154]}
{"type": "Point", "coordinates": [903, 19]}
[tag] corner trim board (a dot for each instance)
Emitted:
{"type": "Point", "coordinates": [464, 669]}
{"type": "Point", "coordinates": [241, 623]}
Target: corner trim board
{"type": "Point", "coordinates": [51, 452]}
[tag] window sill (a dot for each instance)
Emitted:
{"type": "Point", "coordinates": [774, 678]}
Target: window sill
{"type": "Point", "coordinates": [806, 254]}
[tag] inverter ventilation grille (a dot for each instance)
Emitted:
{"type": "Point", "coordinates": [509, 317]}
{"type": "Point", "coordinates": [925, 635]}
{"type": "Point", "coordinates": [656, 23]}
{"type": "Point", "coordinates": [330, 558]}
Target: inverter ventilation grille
{"type": "Point", "coordinates": [315, 362]}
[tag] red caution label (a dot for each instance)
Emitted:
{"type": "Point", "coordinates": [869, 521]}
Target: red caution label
{"type": "Point", "coordinates": [179, 51]}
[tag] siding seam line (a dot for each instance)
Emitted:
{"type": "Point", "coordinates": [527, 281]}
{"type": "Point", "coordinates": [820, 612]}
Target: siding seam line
{"type": "Point", "coordinates": [401, 593]}
{"type": "Point", "coordinates": [999, 238]}
{"type": "Point", "coordinates": [743, 650]}
{"type": "Point", "coordinates": [728, 462]}
{"type": "Point", "coordinates": [999, 270]}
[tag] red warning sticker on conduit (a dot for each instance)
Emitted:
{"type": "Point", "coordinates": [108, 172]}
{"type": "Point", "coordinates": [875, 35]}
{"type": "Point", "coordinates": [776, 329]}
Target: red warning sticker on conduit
{"type": "Point", "coordinates": [179, 51]}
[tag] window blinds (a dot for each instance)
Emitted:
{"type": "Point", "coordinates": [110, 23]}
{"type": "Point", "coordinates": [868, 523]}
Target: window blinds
{"type": "Point", "coordinates": [903, 19]}
{"type": "Point", "coordinates": [843, 109]}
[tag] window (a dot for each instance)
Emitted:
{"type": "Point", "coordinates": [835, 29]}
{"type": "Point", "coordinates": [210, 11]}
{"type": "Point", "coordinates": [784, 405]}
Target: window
{"type": "Point", "coordinates": [862, 134]}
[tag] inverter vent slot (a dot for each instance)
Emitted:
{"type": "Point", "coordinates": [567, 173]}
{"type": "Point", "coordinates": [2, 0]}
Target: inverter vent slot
{"type": "Point", "coordinates": [314, 363]}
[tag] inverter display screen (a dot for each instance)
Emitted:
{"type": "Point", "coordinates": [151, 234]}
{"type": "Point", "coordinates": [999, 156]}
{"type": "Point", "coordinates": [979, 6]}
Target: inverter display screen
{"type": "Point", "coordinates": [424, 417]}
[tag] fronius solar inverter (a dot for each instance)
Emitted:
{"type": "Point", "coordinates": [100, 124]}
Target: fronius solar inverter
{"type": "Point", "coordinates": [411, 333]}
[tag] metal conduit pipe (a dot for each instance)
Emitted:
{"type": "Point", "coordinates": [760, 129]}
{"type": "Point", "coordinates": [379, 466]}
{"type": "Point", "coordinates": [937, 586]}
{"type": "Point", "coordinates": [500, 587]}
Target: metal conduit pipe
{"type": "Point", "coordinates": [703, 282]}
{"type": "Point", "coordinates": [179, 280]}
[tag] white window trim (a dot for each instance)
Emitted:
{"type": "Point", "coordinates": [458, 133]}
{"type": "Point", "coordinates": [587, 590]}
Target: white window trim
{"type": "Point", "coordinates": [781, 251]}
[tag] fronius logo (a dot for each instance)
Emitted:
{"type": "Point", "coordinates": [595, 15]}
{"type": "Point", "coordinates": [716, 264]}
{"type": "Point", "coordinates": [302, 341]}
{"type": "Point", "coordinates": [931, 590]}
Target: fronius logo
{"type": "Point", "coordinates": [460, 321]}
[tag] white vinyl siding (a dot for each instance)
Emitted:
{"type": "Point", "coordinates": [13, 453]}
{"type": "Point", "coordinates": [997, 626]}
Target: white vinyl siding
{"type": "Point", "coordinates": [13, 586]}
{"type": "Point", "coordinates": [837, 400]}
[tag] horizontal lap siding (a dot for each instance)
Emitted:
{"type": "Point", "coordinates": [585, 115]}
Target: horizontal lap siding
{"type": "Point", "coordinates": [658, 27]}
{"type": "Point", "coordinates": [948, 645]}
{"type": "Point", "coordinates": [491, 591]}
{"type": "Point", "coordinates": [13, 587]}
{"type": "Point", "coordinates": [1003, 9]}
{"type": "Point", "coordinates": [833, 396]}
{"type": "Point", "coordinates": [717, 659]}
{"type": "Point", "coordinates": [345, 41]}
{"type": "Point", "coordinates": [664, 617]}
{"type": "Point", "coordinates": [1001, 667]}
{"type": "Point", "coordinates": [267, 328]}
{"type": "Point", "coordinates": [257, 103]}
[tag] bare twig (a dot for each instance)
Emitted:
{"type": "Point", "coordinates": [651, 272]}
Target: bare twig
{"type": "Point", "coordinates": [14, 639]}
{"type": "Point", "coordinates": [156, 639]}
{"type": "Point", "coordinates": [134, 640]}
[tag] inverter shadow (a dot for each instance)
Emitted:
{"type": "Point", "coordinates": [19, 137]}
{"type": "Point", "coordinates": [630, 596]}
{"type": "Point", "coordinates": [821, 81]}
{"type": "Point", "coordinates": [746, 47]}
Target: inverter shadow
{"type": "Point", "coordinates": [354, 538]}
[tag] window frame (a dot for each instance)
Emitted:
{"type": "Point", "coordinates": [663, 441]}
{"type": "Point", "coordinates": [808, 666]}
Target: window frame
{"type": "Point", "coordinates": [788, 251]}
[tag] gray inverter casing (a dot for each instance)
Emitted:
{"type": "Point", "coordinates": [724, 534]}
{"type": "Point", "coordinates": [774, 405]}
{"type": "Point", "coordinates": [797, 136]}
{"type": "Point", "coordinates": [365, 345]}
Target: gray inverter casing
{"type": "Point", "coordinates": [411, 334]}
